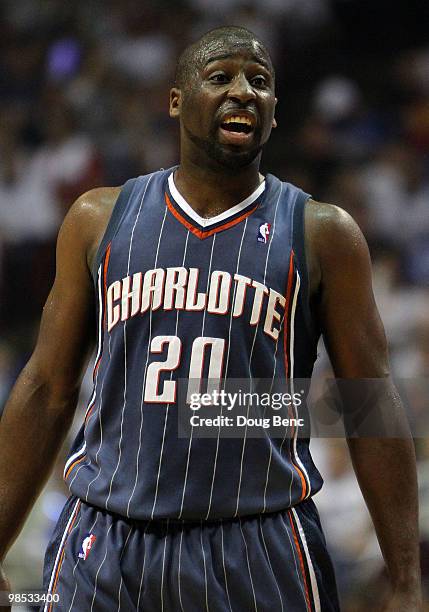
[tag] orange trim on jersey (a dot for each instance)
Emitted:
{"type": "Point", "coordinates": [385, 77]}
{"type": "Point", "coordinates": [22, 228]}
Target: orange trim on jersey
{"type": "Point", "coordinates": [96, 368]}
{"type": "Point", "coordinates": [74, 464]}
{"type": "Point", "coordinates": [303, 481]}
{"type": "Point", "coordinates": [89, 413]}
{"type": "Point", "coordinates": [105, 268]}
{"type": "Point", "coordinates": [287, 307]}
{"type": "Point", "coordinates": [301, 562]}
{"type": "Point", "coordinates": [57, 573]}
{"type": "Point", "coordinates": [285, 338]}
{"type": "Point", "coordinates": [200, 234]}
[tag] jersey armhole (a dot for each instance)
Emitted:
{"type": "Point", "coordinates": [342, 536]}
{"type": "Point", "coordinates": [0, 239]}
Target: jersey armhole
{"type": "Point", "coordinates": [114, 222]}
{"type": "Point", "coordinates": [299, 251]}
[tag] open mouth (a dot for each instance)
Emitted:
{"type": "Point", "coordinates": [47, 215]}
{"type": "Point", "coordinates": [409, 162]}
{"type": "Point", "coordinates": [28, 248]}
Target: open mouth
{"type": "Point", "coordinates": [237, 124]}
{"type": "Point", "coordinates": [237, 130]}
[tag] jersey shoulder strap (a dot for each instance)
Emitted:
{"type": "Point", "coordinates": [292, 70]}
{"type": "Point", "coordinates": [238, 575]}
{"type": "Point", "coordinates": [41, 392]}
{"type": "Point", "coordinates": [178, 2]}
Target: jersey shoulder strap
{"type": "Point", "coordinates": [114, 222]}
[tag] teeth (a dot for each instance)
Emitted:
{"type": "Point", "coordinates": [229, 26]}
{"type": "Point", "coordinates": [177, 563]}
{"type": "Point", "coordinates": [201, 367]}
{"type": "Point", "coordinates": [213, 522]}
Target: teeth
{"type": "Point", "coordinates": [238, 119]}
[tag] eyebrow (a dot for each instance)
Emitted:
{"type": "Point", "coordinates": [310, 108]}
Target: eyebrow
{"type": "Point", "coordinates": [257, 60]}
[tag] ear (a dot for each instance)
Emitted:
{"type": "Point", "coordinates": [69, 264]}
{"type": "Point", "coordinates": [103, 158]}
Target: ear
{"type": "Point", "coordinates": [274, 124]}
{"type": "Point", "coordinates": [175, 102]}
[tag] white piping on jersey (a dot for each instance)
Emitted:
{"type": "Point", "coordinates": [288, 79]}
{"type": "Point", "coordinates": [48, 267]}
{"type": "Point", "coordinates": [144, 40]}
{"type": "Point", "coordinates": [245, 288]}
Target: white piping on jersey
{"type": "Point", "coordinates": [78, 560]}
{"type": "Point", "coordinates": [90, 405]}
{"type": "Point", "coordinates": [126, 543]}
{"type": "Point", "coordinates": [82, 465]}
{"type": "Point", "coordinates": [75, 584]}
{"type": "Point", "coordinates": [99, 341]}
{"type": "Point", "coordinates": [119, 594]}
{"type": "Point", "coordinates": [180, 200]}
{"type": "Point", "coordinates": [88, 460]}
{"type": "Point", "coordinates": [224, 566]}
{"type": "Point", "coordinates": [205, 568]}
{"type": "Point", "coordinates": [274, 360]}
{"type": "Point", "coordinates": [168, 405]}
{"type": "Point", "coordinates": [291, 358]}
{"type": "Point", "coordinates": [298, 573]}
{"type": "Point", "coordinates": [192, 427]}
{"type": "Point", "coordinates": [101, 436]}
{"type": "Point", "coordinates": [265, 275]}
{"type": "Point", "coordinates": [179, 568]}
{"type": "Point", "coordinates": [94, 394]}
{"type": "Point", "coordinates": [226, 374]}
{"type": "Point", "coordinates": [100, 314]}
{"type": "Point", "coordinates": [144, 565]}
{"type": "Point", "coordinates": [313, 579]}
{"type": "Point", "coordinates": [248, 566]}
{"type": "Point", "coordinates": [100, 566]}
{"type": "Point", "coordinates": [60, 550]}
{"type": "Point", "coordinates": [253, 346]}
{"type": "Point", "coordinates": [286, 431]}
{"type": "Point", "coordinates": [125, 348]}
{"type": "Point", "coordinates": [163, 569]}
{"type": "Point", "coordinates": [145, 373]}
{"type": "Point", "coordinates": [71, 459]}
{"type": "Point", "coordinates": [208, 281]}
{"type": "Point", "coordinates": [292, 344]}
{"type": "Point", "coordinates": [232, 310]}
{"type": "Point", "coordinates": [81, 451]}
{"type": "Point", "coordinates": [267, 476]}
{"type": "Point", "coordinates": [120, 559]}
{"type": "Point", "coordinates": [269, 560]}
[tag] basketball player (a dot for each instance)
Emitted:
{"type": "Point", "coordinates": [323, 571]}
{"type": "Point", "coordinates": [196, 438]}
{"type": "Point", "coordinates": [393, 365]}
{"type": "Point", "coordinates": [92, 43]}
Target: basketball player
{"type": "Point", "coordinates": [206, 269]}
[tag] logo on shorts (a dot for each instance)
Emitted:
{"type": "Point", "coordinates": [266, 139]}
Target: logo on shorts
{"type": "Point", "coordinates": [86, 546]}
{"type": "Point", "coordinates": [264, 232]}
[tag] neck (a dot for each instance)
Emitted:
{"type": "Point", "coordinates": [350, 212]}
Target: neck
{"type": "Point", "coordinates": [212, 189]}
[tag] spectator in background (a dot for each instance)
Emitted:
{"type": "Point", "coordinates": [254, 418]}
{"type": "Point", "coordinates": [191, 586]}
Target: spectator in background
{"type": "Point", "coordinates": [36, 188]}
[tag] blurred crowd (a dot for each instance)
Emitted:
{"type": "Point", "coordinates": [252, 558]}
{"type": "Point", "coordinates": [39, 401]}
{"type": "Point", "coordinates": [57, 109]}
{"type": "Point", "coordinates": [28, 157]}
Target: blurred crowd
{"type": "Point", "coordinates": [84, 102]}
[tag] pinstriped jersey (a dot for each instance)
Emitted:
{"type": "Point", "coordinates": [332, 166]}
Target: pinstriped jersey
{"type": "Point", "coordinates": [182, 297]}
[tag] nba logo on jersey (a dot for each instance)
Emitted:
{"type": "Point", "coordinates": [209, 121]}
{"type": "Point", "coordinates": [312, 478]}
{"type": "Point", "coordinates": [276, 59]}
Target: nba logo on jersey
{"type": "Point", "coordinates": [86, 546]}
{"type": "Point", "coordinates": [264, 232]}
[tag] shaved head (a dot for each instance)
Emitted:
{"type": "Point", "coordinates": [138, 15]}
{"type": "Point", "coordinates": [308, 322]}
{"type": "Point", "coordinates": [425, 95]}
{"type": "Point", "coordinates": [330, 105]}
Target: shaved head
{"type": "Point", "coordinates": [195, 54]}
{"type": "Point", "coordinates": [225, 71]}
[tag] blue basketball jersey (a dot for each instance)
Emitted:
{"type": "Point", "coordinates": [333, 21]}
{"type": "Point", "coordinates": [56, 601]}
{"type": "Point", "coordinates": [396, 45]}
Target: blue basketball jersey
{"type": "Point", "coordinates": [184, 297]}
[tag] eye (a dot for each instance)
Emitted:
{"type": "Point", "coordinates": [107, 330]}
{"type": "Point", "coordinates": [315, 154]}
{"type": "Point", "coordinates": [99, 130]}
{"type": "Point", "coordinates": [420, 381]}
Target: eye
{"type": "Point", "coordinates": [258, 81]}
{"type": "Point", "coordinates": [218, 77]}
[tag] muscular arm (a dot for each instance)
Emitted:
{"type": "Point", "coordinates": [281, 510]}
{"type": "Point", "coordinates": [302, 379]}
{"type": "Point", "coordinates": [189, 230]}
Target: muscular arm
{"type": "Point", "coordinates": [42, 403]}
{"type": "Point", "coordinates": [385, 467]}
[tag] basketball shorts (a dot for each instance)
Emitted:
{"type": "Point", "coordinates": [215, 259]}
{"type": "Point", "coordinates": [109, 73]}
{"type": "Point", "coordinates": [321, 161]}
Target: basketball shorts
{"type": "Point", "coordinates": [99, 562]}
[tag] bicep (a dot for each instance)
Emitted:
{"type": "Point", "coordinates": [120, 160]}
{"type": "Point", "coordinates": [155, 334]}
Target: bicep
{"type": "Point", "coordinates": [349, 318]}
{"type": "Point", "coordinates": [65, 336]}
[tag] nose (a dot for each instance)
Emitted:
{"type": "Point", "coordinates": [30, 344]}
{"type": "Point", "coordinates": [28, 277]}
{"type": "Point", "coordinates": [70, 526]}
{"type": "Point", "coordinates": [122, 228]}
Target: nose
{"type": "Point", "coordinates": [241, 90]}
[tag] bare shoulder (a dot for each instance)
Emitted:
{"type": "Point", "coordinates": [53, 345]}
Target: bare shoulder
{"type": "Point", "coordinates": [94, 206]}
{"type": "Point", "coordinates": [333, 241]}
{"type": "Point", "coordinates": [87, 218]}
{"type": "Point", "coordinates": [329, 221]}
{"type": "Point", "coordinates": [330, 230]}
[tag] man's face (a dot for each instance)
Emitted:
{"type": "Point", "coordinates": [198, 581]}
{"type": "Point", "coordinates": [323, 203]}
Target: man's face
{"type": "Point", "coordinates": [227, 108]}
